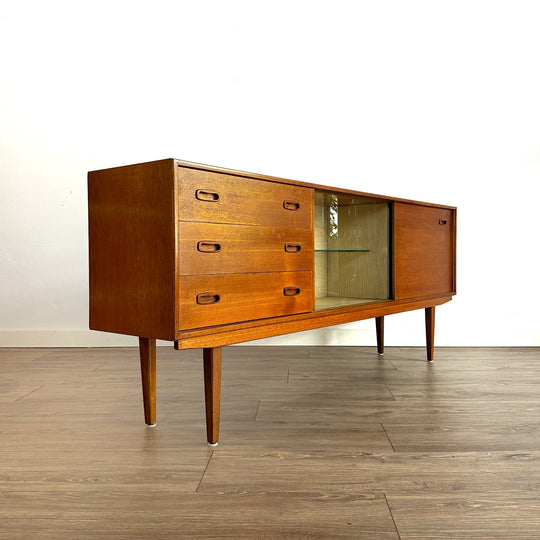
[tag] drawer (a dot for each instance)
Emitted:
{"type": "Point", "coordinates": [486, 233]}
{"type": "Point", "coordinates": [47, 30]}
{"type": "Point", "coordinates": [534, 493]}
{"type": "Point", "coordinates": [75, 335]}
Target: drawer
{"type": "Point", "coordinates": [223, 299]}
{"type": "Point", "coordinates": [211, 248]}
{"type": "Point", "coordinates": [222, 198]}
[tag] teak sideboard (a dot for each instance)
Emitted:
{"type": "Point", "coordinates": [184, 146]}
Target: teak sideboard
{"type": "Point", "coordinates": [207, 257]}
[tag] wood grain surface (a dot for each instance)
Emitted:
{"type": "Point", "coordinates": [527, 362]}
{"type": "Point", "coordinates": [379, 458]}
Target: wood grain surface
{"type": "Point", "coordinates": [316, 442]}
{"type": "Point", "coordinates": [232, 249]}
{"type": "Point", "coordinates": [242, 297]}
{"type": "Point", "coordinates": [242, 200]}
{"type": "Point", "coordinates": [424, 250]}
{"type": "Point", "coordinates": [132, 251]}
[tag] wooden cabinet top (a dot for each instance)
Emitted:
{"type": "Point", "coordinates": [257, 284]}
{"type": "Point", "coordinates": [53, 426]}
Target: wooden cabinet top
{"type": "Point", "coordinates": [243, 174]}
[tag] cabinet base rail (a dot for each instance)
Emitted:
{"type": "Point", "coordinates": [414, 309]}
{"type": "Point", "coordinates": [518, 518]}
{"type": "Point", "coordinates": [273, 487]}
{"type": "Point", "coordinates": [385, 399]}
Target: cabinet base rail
{"type": "Point", "coordinates": [212, 374]}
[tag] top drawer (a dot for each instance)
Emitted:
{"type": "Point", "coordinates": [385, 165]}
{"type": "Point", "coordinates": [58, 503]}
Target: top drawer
{"type": "Point", "coordinates": [221, 198]}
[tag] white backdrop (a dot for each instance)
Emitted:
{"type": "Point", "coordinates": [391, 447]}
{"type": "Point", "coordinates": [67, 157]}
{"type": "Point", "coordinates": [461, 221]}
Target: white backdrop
{"type": "Point", "coordinates": [435, 101]}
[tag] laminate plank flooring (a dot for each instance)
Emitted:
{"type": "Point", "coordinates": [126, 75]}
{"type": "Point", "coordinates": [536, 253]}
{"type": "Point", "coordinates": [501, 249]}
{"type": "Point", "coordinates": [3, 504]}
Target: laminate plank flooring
{"type": "Point", "coordinates": [316, 442]}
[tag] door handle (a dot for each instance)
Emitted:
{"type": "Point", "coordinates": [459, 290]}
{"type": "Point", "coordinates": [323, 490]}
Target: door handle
{"type": "Point", "coordinates": [206, 298]}
{"type": "Point", "coordinates": [207, 195]}
{"type": "Point", "coordinates": [291, 247]}
{"type": "Point", "coordinates": [291, 205]}
{"type": "Point", "coordinates": [208, 247]}
{"type": "Point", "coordinates": [291, 291]}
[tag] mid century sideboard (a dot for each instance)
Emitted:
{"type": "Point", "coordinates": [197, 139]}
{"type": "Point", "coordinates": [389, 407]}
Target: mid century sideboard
{"type": "Point", "coordinates": [208, 257]}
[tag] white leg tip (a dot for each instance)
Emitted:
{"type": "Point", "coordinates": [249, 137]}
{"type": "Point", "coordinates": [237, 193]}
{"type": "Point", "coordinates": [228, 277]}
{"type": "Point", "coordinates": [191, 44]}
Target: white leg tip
{"type": "Point", "coordinates": [213, 444]}
{"type": "Point", "coordinates": [151, 425]}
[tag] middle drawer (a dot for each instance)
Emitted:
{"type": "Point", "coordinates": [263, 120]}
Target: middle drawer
{"type": "Point", "coordinates": [211, 248]}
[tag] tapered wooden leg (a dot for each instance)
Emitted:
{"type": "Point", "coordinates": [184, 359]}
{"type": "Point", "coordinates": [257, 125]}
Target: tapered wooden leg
{"type": "Point", "coordinates": [430, 332]}
{"type": "Point", "coordinates": [147, 351]}
{"type": "Point", "coordinates": [212, 392]}
{"type": "Point", "coordinates": [379, 325]}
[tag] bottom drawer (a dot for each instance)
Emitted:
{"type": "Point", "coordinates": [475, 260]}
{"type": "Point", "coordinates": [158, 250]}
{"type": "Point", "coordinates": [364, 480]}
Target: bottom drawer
{"type": "Point", "coordinates": [222, 299]}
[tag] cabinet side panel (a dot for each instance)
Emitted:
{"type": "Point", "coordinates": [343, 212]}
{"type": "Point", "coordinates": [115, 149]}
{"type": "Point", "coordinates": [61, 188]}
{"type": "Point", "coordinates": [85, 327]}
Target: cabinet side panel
{"type": "Point", "coordinates": [132, 249]}
{"type": "Point", "coordinates": [424, 252]}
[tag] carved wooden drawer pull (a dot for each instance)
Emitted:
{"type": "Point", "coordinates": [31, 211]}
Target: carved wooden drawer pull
{"type": "Point", "coordinates": [208, 247]}
{"type": "Point", "coordinates": [291, 291]}
{"type": "Point", "coordinates": [291, 205]}
{"type": "Point", "coordinates": [206, 195]}
{"type": "Point", "coordinates": [291, 247]}
{"type": "Point", "coordinates": [206, 298]}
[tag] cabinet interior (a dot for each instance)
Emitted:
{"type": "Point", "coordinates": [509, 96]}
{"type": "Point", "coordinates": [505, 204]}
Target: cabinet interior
{"type": "Point", "coordinates": [352, 256]}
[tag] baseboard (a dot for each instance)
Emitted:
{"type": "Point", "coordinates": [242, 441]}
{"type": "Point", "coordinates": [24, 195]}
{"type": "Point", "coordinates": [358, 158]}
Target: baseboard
{"type": "Point", "coordinates": [346, 335]}
{"type": "Point", "coordinates": [89, 338]}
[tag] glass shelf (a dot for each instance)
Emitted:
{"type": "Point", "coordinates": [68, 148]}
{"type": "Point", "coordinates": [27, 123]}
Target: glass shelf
{"type": "Point", "coordinates": [342, 251]}
{"type": "Point", "coordinates": [333, 302]}
{"type": "Point", "coordinates": [346, 226]}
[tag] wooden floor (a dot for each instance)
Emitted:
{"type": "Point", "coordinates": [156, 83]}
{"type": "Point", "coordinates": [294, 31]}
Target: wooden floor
{"type": "Point", "coordinates": [316, 443]}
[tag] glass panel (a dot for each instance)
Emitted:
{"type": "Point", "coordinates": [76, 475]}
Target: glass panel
{"type": "Point", "coordinates": [351, 250]}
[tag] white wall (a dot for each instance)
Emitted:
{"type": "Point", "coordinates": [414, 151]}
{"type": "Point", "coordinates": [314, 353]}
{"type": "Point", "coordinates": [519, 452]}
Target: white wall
{"type": "Point", "coordinates": [436, 101]}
